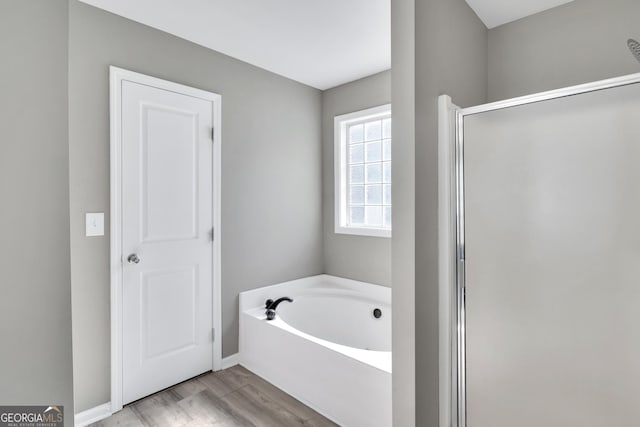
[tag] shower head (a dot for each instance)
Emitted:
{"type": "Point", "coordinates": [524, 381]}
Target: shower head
{"type": "Point", "coordinates": [634, 47]}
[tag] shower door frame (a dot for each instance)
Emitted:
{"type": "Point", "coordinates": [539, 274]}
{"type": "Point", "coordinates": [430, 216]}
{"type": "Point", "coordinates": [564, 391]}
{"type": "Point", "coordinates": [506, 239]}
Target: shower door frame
{"type": "Point", "coordinates": [451, 237]}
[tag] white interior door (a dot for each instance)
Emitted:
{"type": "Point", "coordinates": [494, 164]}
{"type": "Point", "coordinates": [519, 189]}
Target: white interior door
{"type": "Point", "coordinates": [167, 225]}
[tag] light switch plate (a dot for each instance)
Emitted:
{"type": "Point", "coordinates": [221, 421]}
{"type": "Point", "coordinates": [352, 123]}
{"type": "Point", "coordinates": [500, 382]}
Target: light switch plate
{"type": "Point", "coordinates": [94, 224]}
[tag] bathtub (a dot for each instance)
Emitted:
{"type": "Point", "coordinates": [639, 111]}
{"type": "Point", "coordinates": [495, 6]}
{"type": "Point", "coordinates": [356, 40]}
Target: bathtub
{"type": "Point", "coordinates": [326, 349]}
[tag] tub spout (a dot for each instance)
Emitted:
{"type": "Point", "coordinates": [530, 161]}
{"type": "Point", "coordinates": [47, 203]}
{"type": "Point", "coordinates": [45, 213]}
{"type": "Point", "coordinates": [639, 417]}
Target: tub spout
{"type": "Point", "coordinates": [271, 305]}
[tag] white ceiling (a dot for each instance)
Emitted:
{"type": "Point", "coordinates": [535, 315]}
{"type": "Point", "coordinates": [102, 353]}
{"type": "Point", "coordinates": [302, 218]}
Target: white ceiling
{"type": "Point", "coordinates": [320, 43]}
{"type": "Point", "coordinates": [497, 12]}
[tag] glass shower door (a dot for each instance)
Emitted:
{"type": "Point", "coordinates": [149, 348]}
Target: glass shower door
{"type": "Point", "coordinates": [552, 235]}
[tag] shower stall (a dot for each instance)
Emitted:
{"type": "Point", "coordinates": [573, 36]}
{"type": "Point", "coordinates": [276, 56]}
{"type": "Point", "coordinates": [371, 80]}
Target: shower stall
{"type": "Point", "coordinates": [539, 218]}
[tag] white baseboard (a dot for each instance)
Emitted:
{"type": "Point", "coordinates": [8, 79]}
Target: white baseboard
{"type": "Point", "coordinates": [103, 411]}
{"type": "Point", "coordinates": [93, 415]}
{"type": "Point", "coordinates": [230, 361]}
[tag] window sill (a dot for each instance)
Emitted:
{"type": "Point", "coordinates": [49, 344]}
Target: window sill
{"type": "Point", "coordinates": [364, 231]}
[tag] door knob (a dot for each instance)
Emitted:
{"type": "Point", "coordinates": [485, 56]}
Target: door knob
{"type": "Point", "coordinates": [133, 259]}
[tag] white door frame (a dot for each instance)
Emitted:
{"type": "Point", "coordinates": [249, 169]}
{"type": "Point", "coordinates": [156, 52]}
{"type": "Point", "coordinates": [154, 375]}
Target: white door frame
{"type": "Point", "coordinates": [117, 76]}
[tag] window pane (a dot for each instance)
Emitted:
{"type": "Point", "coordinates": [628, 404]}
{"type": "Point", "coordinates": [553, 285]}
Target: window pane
{"type": "Point", "coordinates": [373, 130]}
{"type": "Point", "coordinates": [356, 216]}
{"type": "Point", "coordinates": [374, 153]}
{"type": "Point", "coordinates": [374, 194]}
{"type": "Point", "coordinates": [373, 216]}
{"type": "Point", "coordinates": [356, 133]}
{"type": "Point", "coordinates": [386, 194]}
{"type": "Point", "coordinates": [356, 153]}
{"type": "Point", "coordinates": [386, 150]}
{"type": "Point", "coordinates": [374, 173]}
{"type": "Point", "coordinates": [368, 146]}
{"type": "Point", "coordinates": [356, 195]}
{"type": "Point", "coordinates": [387, 172]}
{"type": "Point", "coordinates": [356, 174]}
{"type": "Point", "coordinates": [387, 217]}
{"type": "Point", "coordinates": [386, 128]}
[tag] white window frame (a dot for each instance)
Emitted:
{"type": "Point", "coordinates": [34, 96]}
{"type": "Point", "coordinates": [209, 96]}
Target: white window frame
{"type": "Point", "coordinates": [340, 124]}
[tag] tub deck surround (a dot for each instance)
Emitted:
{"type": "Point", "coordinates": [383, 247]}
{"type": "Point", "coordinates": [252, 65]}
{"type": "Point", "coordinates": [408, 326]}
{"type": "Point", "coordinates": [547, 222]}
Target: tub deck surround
{"type": "Point", "coordinates": [326, 348]}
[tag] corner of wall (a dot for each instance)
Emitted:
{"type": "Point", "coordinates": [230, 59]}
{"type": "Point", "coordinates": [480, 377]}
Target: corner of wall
{"type": "Point", "coordinates": [367, 259]}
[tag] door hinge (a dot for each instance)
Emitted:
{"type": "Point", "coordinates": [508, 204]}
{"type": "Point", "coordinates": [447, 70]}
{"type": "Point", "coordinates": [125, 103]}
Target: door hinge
{"type": "Point", "coordinates": [212, 234]}
{"type": "Point", "coordinates": [213, 134]}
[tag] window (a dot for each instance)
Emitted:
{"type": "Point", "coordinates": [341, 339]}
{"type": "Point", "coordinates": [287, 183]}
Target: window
{"type": "Point", "coordinates": [363, 172]}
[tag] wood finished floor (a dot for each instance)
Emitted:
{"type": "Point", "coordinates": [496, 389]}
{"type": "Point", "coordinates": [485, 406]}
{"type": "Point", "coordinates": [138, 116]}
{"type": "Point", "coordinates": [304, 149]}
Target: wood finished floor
{"type": "Point", "coordinates": [233, 397]}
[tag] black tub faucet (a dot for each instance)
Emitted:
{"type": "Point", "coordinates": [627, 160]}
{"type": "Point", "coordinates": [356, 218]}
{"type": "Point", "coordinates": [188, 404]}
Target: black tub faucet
{"type": "Point", "coordinates": [271, 305]}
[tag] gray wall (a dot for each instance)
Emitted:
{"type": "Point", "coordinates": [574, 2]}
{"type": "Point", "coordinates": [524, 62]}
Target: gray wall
{"type": "Point", "coordinates": [355, 257]}
{"type": "Point", "coordinates": [449, 55]}
{"type": "Point", "coordinates": [579, 42]}
{"type": "Point", "coordinates": [403, 44]}
{"type": "Point", "coordinates": [271, 174]}
{"type": "Point", "coordinates": [35, 307]}
{"type": "Point", "coordinates": [451, 58]}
